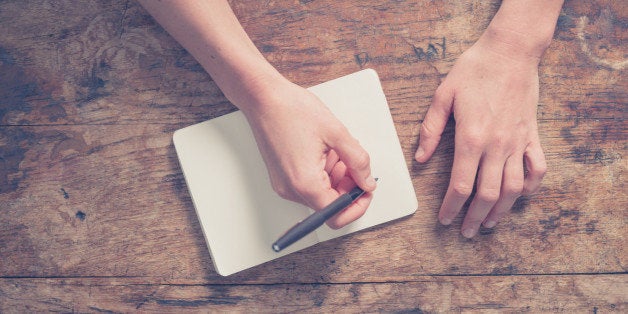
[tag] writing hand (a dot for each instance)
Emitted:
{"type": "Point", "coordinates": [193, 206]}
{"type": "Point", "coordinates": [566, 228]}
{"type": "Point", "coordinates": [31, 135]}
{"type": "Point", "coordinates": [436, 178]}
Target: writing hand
{"type": "Point", "coordinates": [310, 156]}
{"type": "Point", "coordinates": [493, 97]}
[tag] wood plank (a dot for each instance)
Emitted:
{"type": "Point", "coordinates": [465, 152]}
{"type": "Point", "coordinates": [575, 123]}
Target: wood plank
{"type": "Point", "coordinates": [469, 294]}
{"type": "Point", "coordinates": [110, 200]}
{"type": "Point", "coordinates": [107, 62]}
{"type": "Point", "coordinates": [95, 215]}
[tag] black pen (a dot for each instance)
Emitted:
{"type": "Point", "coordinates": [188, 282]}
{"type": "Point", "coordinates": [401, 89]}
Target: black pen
{"type": "Point", "coordinates": [317, 219]}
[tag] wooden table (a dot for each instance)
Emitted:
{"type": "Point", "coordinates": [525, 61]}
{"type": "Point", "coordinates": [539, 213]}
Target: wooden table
{"type": "Point", "coordinates": [95, 215]}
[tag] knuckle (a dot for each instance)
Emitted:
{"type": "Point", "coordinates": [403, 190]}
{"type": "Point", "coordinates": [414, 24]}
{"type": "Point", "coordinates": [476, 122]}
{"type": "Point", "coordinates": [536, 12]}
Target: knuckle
{"type": "Point", "coordinates": [337, 132]}
{"type": "Point", "coordinates": [462, 189]}
{"type": "Point", "coordinates": [282, 190]}
{"type": "Point", "coordinates": [426, 131]}
{"type": "Point", "coordinates": [336, 129]}
{"type": "Point", "coordinates": [513, 187]}
{"type": "Point", "coordinates": [541, 170]}
{"type": "Point", "coordinates": [488, 195]}
{"type": "Point", "coordinates": [500, 141]}
{"type": "Point", "coordinates": [472, 140]}
{"type": "Point", "coordinates": [362, 160]}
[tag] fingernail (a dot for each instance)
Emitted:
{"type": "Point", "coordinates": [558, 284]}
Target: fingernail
{"type": "Point", "coordinates": [490, 224]}
{"type": "Point", "coordinates": [419, 152]}
{"type": "Point", "coordinates": [371, 182]}
{"type": "Point", "coordinates": [468, 233]}
{"type": "Point", "coordinates": [445, 221]}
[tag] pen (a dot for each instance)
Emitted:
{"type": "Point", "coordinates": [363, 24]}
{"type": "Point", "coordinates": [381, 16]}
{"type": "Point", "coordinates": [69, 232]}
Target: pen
{"type": "Point", "coordinates": [317, 219]}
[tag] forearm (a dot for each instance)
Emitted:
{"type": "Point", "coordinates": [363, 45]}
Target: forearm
{"type": "Point", "coordinates": [212, 34]}
{"type": "Point", "coordinates": [523, 28]}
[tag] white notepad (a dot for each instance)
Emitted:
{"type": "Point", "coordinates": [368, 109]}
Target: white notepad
{"type": "Point", "coordinates": [239, 212]}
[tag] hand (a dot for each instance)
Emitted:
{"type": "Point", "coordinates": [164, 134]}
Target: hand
{"type": "Point", "coordinates": [493, 97]}
{"type": "Point", "coordinates": [311, 157]}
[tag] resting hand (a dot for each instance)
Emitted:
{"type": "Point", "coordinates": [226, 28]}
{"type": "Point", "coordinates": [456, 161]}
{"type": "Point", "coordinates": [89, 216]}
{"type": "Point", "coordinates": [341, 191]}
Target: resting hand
{"type": "Point", "coordinates": [310, 156]}
{"type": "Point", "coordinates": [493, 96]}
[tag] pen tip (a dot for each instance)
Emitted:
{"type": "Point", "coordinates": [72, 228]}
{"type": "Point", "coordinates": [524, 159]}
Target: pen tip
{"type": "Point", "coordinates": [276, 248]}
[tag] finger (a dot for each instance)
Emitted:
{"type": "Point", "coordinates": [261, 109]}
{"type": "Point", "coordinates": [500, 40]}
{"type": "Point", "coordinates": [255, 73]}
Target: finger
{"type": "Point", "coordinates": [536, 166]}
{"type": "Point", "coordinates": [353, 211]}
{"type": "Point", "coordinates": [345, 185]}
{"type": "Point", "coordinates": [355, 158]}
{"type": "Point", "coordinates": [488, 192]}
{"type": "Point", "coordinates": [460, 185]}
{"type": "Point", "coordinates": [338, 172]}
{"type": "Point", "coordinates": [319, 196]}
{"type": "Point", "coordinates": [315, 192]}
{"type": "Point", "coordinates": [331, 160]}
{"type": "Point", "coordinates": [434, 123]}
{"type": "Point", "coordinates": [512, 186]}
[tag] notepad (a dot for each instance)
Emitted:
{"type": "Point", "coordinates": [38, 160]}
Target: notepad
{"type": "Point", "coordinates": [240, 214]}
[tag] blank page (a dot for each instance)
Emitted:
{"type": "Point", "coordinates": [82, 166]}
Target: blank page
{"type": "Point", "coordinates": [242, 216]}
{"type": "Point", "coordinates": [239, 212]}
{"type": "Point", "coordinates": [359, 102]}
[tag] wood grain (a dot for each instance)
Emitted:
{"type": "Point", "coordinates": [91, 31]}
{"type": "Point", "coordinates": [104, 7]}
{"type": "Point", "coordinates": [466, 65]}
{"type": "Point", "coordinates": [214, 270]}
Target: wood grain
{"type": "Point", "coordinates": [492, 294]}
{"type": "Point", "coordinates": [95, 214]}
{"type": "Point", "coordinates": [70, 177]}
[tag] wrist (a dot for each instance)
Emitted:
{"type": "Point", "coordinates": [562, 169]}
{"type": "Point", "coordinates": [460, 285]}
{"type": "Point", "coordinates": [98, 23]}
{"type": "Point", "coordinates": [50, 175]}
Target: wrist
{"type": "Point", "coordinates": [250, 86]}
{"type": "Point", "coordinates": [515, 45]}
{"type": "Point", "coordinates": [241, 73]}
{"type": "Point", "coordinates": [523, 29]}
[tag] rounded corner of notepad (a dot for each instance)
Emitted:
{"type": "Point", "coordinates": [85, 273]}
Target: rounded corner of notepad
{"type": "Point", "coordinates": [415, 207]}
{"type": "Point", "coordinates": [372, 72]}
{"type": "Point", "coordinates": [175, 136]}
{"type": "Point", "coordinates": [415, 204]}
{"type": "Point", "coordinates": [223, 272]}
{"type": "Point", "coordinates": [412, 206]}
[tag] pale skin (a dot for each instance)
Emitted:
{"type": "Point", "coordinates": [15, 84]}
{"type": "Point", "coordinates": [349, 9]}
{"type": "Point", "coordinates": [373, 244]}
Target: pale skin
{"type": "Point", "coordinates": [311, 158]}
{"type": "Point", "coordinates": [493, 91]}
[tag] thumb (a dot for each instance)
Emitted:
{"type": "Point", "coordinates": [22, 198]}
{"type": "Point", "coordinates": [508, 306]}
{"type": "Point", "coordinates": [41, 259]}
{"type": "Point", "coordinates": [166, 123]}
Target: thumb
{"type": "Point", "coordinates": [357, 160]}
{"type": "Point", "coordinates": [434, 123]}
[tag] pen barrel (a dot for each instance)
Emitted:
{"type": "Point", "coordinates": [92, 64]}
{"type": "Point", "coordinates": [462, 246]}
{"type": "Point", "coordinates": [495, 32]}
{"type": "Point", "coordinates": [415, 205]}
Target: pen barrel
{"type": "Point", "coordinates": [330, 210]}
{"type": "Point", "coordinates": [312, 222]}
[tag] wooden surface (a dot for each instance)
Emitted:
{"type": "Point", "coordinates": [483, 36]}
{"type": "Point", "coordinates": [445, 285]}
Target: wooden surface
{"type": "Point", "coordinates": [95, 215]}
